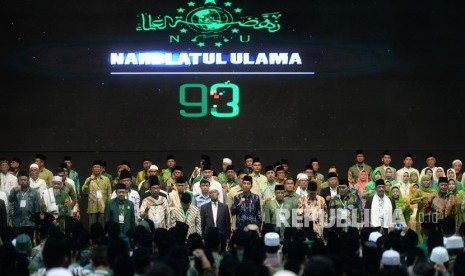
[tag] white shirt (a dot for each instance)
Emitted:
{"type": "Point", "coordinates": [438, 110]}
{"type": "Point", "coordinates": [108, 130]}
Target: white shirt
{"type": "Point", "coordinates": [381, 212]}
{"type": "Point", "coordinates": [38, 185]}
{"type": "Point", "coordinates": [333, 191]}
{"type": "Point", "coordinates": [134, 197]}
{"type": "Point", "coordinates": [215, 211]}
{"type": "Point", "coordinates": [8, 182]}
{"type": "Point", "coordinates": [300, 192]}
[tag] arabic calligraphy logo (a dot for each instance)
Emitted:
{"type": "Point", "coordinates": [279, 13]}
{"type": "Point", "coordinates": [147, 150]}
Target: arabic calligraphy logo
{"type": "Point", "coordinates": [209, 24]}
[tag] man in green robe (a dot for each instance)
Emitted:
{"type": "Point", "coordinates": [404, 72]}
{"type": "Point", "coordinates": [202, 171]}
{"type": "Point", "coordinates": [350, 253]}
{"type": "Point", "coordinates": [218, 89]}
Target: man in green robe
{"type": "Point", "coordinates": [275, 209]}
{"type": "Point", "coordinates": [120, 210]}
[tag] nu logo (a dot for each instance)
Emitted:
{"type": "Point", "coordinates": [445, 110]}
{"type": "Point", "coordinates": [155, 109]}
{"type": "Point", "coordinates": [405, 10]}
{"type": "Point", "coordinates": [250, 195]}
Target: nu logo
{"type": "Point", "coordinates": [209, 24]}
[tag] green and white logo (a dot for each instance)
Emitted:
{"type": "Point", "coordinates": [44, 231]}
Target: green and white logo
{"type": "Point", "coordinates": [209, 24]}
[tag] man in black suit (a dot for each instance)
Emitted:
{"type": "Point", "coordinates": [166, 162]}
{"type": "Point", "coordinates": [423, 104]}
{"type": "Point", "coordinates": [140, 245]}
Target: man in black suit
{"type": "Point", "coordinates": [381, 209]}
{"type": "Point", "coordinates": [3, 216]}
{"type": "Point", "coordinates": [215, 214]}
{"type": "Point", "coordinates": [330, 191]}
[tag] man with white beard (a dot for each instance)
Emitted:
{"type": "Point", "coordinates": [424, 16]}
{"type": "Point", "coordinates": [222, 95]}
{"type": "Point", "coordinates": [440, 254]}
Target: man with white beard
{"type": "Point", "coordinates": [35, 182]}
{"type": "Point", "coordinates": [56, 201]}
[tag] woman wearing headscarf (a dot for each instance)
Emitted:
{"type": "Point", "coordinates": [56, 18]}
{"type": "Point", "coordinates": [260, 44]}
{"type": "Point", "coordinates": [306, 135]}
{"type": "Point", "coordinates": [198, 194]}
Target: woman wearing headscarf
{"type": "Point", "coordinates": [402, 205]}
{"type": "Point", "coordinates": [460, 207]}
{"type": "Point", "coordinates": [439, 173]}
{"type": "Point", "coordinates": [428, 172]}
{"type": "Point", "coordinates": [361, 183]}
{"type": "Point", "coordinates": [369, 189]}
{"type": "Point", "coordinates": [413, 178]}
{"type": "Point", "coordinates": [451, 174]}
{"type": "Point", "coordinates": [413, 205]}
{"type": "Point", "coordinates": [424, 198]}
{"type": "Point", "coordinates": [389, 175]}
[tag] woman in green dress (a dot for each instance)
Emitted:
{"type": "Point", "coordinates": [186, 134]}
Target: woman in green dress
{"type": "Point", "coordinates": [460, 207]}
{"type": "Point", "coordinates": [423, 197]}
{"type": "Point", "coordinates": [402, 205]}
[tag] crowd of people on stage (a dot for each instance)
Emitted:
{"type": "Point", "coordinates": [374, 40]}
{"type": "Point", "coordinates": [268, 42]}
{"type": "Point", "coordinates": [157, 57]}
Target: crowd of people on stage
{"type": "Point", "coordinates": [248, 217]}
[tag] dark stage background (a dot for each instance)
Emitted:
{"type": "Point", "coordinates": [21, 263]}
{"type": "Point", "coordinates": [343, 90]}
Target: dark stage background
{"type": "Point", "coordinates": [388, 75]}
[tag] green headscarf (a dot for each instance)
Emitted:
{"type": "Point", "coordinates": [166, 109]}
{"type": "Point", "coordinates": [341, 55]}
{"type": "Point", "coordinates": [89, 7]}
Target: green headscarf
{"type": "Point", "coordinates": [429, 189]}
{"type": "Point", "coordinates": [410, 178]}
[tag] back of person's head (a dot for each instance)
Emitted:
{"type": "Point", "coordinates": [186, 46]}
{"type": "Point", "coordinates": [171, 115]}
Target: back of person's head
{"type": "Point", "coordinates": [99, 256]}
{"type": "Point", "coordinates": [141, 258]}
{"type": "Point", "coordinates": [162, 240]}
{"type": "Point", "coordinates": [295, 256]}
{"type": "Point", "coordinates": [194, 241]}
{"type": "Point", "coordinates": [112, 228]}
{"type": "Point", "coordinates": [228, 265]}
{"type": "Point", "coordinates": [289, 233]}
{"type": "Point", "coordinates": [116, 246]}
{"type": "Point", "coordinates": [448, 226]}
{"type": "Point", "coordinates": [142, 238]}
{"type": "Point", "coordinates": [318, 248]}
{"type": "Point", "coordinates": [55, 253]}
{"type": "Point", "coordinates": [435, 239]}
{"type": "Point", "coordinates": [178, 259]}
{"type": "Point", "coordinates": [179, 232]}
{"type": "Point", "coordinates": [415, 255]}
{"type": "Point", "coordinates": [371, 256]}
{"type": "Point", "coordinates": [240, 238]}
{"type": "Point", "coordinates": [159, 269]}
{"type": "Point", "coordinates": [123, 266]}
{"type": "Point", "coordinates": [319, 265]}
{"type": "Point", "coordinates": [424, 268]}
{"type": "Point", "coordinates": [97, 233]}
{"type": "Point", "coordinates": [55, 232]}
{"type": "Point", "coordinates": [247, 268]}
{"type": "Point", "coordinates": [254, 252]}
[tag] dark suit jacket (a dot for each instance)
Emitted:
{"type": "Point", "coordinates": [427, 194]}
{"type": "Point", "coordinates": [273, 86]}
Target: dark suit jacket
{"type": "Point", "coordinates": [369, 202]}
{"type": "Point", "coordinates": [326, 192]}
{"type": "Point", "coordinates": [3, 216]}
{"type": "Point", "coordinates": [112, 214]}
{"type": "Point", "coordinates": [223, 220]}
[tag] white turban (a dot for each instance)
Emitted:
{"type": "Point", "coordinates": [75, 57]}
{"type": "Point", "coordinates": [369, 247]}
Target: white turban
{"type": "Point", "coordinates": [57, 178]}
{"type": "Point", "coordinates": [456, 161]}
{"type": "Point", "coordinates": [227, 161]}
{"type": "Point", "coordinates": [34, 165]}
{"type": "Point", "coordinates": [302, 176]}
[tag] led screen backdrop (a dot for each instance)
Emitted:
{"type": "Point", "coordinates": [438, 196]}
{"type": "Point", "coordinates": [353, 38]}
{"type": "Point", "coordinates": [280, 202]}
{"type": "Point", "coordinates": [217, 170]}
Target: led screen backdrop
{"type": "Point", "coordinates": [232, 75]}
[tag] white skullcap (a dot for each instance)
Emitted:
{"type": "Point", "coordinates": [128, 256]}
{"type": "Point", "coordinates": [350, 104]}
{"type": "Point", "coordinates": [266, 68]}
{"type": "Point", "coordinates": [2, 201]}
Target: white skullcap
{"type": "Point", "coordinates": [153, 168]}
{"type": "Point", "coordinates": [454, 242]}
{"type": "Point", "coordinates": [390, 257]}
{"type": "Point", "coordinates": [57, 178]}
{"type": "Point", "coordinates": [456, 161]}
{"type": "Point", "coordinates": [302, 176]}
{"type": "Point", "coordinates": [227, 161]}
{"type": "Point", "coordinates": [374, 236]}
{"type": "Point", "coordinates": [213, 187]}
{"type": "Point", "coordinates": [271, 239]}
{"type": "Point", "coordinates": [439, 255]}
{"type": "Point", "coordinates": [284, 273]}
{"type": "Point", "coordinates": [58, 271]}
{"type": "Point", "coordinates": [34, 165]}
